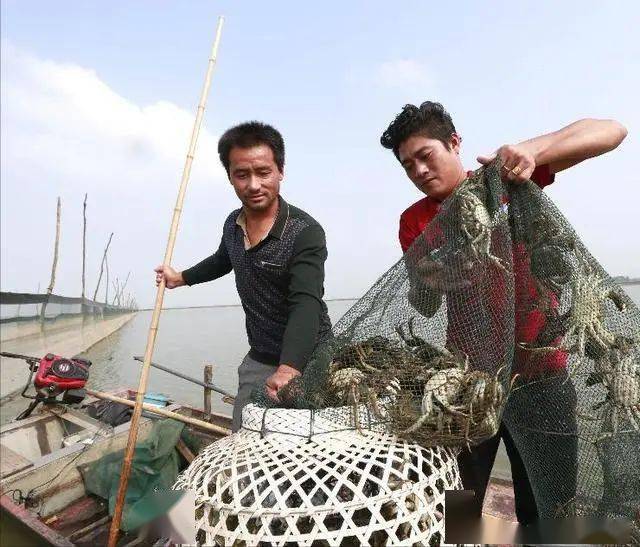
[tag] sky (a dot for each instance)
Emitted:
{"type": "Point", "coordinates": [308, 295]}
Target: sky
{"type": "Point", "coordinates": [100, 97]}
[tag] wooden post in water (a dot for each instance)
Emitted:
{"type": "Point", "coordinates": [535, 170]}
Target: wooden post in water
{"type": "Point", "coordinates": [106, 286]}
{"type": "Point", "coordinates": [121, 295]}
{"type": "Point", "coordinates": [155, 318]}
{"type": "Point", "coordinates": [116, 288]}
{"type": "Point", "coordinates": [208, 379]}
{"type": "Point", "coordinates": [84, 244]}
{"type": "Point", "coordinates": [84, 255]}
{"type": "Point", "coordinates": [104, 258]}
{"type": "Point", "coordinates": [38, 307]}
{"type": "Point", "coordinates": [53, 267]}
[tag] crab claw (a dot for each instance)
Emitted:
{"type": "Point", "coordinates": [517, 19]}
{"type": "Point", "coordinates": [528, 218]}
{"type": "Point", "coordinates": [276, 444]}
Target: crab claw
{"type": "Point", "coordinates": [393, 387]}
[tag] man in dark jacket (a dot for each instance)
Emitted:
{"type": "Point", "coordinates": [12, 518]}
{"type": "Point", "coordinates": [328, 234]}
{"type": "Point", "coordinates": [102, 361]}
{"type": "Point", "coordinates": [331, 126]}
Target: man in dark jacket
{"type": "Point", "coordinates": [277, 253]}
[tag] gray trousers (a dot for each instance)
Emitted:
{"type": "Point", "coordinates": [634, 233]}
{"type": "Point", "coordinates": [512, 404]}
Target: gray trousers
{"type": "Point", "coordinates": [251, 374]}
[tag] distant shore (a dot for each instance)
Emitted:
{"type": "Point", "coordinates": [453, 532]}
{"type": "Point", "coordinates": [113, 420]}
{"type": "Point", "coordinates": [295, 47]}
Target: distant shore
{"type": "Point", "coordinates": [620, 280]}
{"type": "Point", "coordinates": [234, 305]}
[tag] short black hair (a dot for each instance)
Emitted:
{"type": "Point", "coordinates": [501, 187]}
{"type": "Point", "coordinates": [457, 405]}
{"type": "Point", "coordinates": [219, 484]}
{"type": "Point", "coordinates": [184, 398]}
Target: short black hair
{"type": "Point", "coordinates": [249, 134]}
{"type": "Point", "coordinates": [429, 119]}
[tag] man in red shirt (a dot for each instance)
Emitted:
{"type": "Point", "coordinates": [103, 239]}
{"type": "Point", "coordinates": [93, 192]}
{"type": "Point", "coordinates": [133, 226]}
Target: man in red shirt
{"type": "Point", "coordinates": [425, 142]}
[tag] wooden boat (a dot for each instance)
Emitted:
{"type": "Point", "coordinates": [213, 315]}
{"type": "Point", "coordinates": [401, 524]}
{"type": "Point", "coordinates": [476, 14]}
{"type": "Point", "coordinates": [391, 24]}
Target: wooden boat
{"type": "Point", "coordinates": [43, 497]}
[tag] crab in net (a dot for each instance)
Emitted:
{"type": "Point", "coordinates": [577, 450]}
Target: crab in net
{"type": "Point", "coordinates": [550, 248]}
{"type": "Point", "coordinates": [441, 393]}
{"type": "Point", "coordinates": [360, 373]}
{"type": "Point", "coordinates": [621, 377]}
{"type": "Point", "coordinates": [477, 224]}
{"type": "Point", "coordinates": [486, 398]}
{"type": "Point", "coordinates": [582, 327]}
{"type": "Point", "coordinates": [459, 406]}
{"type": "Point", "coordinates": [379, 368]}
{"type": "Point", "coordinates": [425, 353]}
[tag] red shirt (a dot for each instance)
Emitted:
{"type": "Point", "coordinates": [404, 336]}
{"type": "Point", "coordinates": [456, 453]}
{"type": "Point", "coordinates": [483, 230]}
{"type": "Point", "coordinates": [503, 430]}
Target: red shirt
{"type": "Point", "coordinates": [529, 319]}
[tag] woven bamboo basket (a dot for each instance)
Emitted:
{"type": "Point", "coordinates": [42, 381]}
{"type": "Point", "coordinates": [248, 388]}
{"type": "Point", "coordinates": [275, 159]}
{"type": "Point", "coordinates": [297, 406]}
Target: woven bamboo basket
{"type": "Point", "coordinates": [297, 477]}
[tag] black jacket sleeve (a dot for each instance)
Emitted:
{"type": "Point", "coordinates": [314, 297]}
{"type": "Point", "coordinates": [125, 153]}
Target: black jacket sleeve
{"type": "Point", "coordinates": [306, 289]}
{"type": "Point", "coordinates": [217, 265]}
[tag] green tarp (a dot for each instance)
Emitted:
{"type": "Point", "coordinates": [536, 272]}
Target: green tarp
{"type": "Point", "coordinates": [153, 472]}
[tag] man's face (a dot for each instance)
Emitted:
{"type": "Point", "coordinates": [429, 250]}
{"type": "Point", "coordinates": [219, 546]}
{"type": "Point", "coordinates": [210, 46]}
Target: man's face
{"type": "Point", "coordinates": [254, 176]}
{"type": "Point", "coordinates": [435, 169]}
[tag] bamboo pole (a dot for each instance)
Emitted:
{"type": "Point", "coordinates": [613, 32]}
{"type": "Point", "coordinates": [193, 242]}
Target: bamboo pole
{"type": "Point", "coordinates": [53, 266]}
{"type": "Point", "coordinates": [161, 412]}
{"type": "Point", "coordinates": [104, 258]}
{"type": "Point", "coordinates": [155, 318]}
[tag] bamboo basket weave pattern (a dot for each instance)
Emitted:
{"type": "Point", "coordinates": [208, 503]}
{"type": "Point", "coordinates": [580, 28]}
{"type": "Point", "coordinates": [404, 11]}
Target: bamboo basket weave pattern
{"type": "Point", "coordinates": [289, 483]}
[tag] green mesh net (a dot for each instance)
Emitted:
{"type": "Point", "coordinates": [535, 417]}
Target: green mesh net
{"type": "Point", "coordinates": [497, 312]}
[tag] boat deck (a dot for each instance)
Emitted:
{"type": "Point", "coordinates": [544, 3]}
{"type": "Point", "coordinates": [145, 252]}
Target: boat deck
{"type": "Point", "coordinates": [42, 456]}
{"type": "Point", "coordinates": [43, 495]}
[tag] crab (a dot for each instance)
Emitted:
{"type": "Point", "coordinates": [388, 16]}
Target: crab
{"type": "Point", "coordinates": [451, 272]}
{"type": "Point", "coordinates": [371, 355]}
{"type": "Point", "coordinates": [584, 322]}
{"type": "Point", "coordinates": [486, 395]}
{"type": "Point", "coordinates": [351, 383]}
{"type": "Point", "coordinates": [477, 226]}
{"type": "Point", "coordinates": [432, 356]}
{"type": "Point", "coordinates": [345, 383]}
{"type": "Point", "coordinates": [548, 248]}
{"type": "Point", "coordinates": [441, 392]}
{"type": "Point", "coordinates": [622, 380]}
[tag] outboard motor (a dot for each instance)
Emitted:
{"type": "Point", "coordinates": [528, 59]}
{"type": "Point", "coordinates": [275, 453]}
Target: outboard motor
{"type": "Point", "coordinates": [55, 375]}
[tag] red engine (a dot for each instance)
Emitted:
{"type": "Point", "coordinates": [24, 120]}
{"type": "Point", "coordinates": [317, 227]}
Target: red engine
{"type": "Point", "coordinates": [57, 374]}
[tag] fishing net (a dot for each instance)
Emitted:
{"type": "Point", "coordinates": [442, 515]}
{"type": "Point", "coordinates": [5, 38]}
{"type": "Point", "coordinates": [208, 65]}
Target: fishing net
{"type": "Point", "coordinates": [497, 312]}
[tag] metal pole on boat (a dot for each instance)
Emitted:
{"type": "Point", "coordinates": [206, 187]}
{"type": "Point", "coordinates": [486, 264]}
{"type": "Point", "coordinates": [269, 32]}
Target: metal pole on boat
{"type": "Point", "coordinates": [206, 384]}
{"type": "Point", "coordinates": [155, 318]}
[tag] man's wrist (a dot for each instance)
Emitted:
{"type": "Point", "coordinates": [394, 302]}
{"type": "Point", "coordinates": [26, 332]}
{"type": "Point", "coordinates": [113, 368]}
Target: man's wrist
{"type": "Point", "coordinates": [537, 147]}
{"type": "Point", "coordinates": [288, 368]}
{"type": "Point", "coordinates": [182, 280]}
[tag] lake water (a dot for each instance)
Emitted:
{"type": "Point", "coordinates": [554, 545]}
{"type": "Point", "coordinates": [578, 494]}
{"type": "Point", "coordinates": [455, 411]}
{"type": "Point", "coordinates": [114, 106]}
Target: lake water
{"type": "Point", "coordinates": [187, 340]}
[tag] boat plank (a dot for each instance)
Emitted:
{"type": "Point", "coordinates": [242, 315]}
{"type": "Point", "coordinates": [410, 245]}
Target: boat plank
{"type": "Point", "coordinates": [50, 536]}
{"type": "Point", "coordinates": [498, 501]}
{"type": "Point", "coordinates": [12, 462]}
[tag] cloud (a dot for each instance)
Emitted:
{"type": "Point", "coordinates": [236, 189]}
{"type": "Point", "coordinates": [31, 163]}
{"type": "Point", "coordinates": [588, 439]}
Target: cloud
{"type": "Point", "coordinates": [66, 132]}
{"type": "Point", "coordinates": [69, 110]}
{"type": "Point", "coordinates": [401, 73]}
